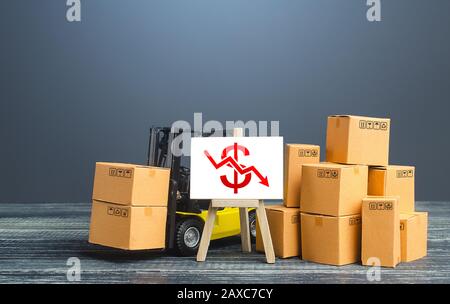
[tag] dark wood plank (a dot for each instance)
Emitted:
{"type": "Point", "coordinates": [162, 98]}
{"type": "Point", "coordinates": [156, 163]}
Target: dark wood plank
{"type": "Point", "coordinates": [36, 240]}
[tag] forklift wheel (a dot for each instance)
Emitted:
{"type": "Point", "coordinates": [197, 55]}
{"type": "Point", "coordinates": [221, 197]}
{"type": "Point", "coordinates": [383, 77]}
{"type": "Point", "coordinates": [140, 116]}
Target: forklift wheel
{"type": "Point", "coordinates": [188, 235]}
{"type": "Point", "coordinates": [252, 223]}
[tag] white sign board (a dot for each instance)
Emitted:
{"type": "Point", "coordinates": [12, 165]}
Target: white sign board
{"type": "Point", "coordinates": [236, 168]}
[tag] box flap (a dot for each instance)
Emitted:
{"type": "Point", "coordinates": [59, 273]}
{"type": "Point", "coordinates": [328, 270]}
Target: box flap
{"type": "Point", "coordinates": [303, 145]}
{"type": "Point", "coordinates": [130, 165]}
{"type": "Point", "coordinates": [380, 198]}
{"type": "Point", "coordinates": [273, 207]}
{"type": "Point", "coordinates": [331, 165]}
{"type": "Point", "coordinates": [392, 167]}
{"type": "Point", "coordinates": [399, 167]}
{"type": "Point", "coordinates": [328, 216]}
{"type": "Point", "coordinates": [282, 208]}
{"type": "Point", "coordinates": [407, 216]}
{"type": "Point", "coordinates": [357, 116]}
{"type": "Point", "coordinates": [116, 164]}
{"type": "Point", "coordinates": [380, 168]}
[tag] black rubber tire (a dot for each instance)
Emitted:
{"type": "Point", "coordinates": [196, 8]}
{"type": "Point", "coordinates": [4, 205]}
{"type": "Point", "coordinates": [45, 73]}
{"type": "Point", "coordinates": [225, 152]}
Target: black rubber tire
{"type": "Point", "coordinates": [182, 226]}
{"type": "Point", "coordinates": [251, 219]}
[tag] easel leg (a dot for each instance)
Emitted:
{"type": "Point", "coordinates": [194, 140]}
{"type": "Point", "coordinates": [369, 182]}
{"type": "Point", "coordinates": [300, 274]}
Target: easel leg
{"type": "Point", "coordinates": [206, 235]}
{"type": "Point", "coordinates": [245, 230]}
{"type": "Point", "coordinates": [265, 233]}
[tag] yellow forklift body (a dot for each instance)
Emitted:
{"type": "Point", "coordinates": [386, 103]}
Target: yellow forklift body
{"type": "Point", "coordinates": [226, 224]}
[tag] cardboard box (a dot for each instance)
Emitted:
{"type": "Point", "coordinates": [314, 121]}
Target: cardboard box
{"type": "Point", "coordinates": [333, 189]}
{"type": "Point", "coordinates": [413, 235]}
{"type": "Point", "coordinates": [331, 240]}
{"type": "Point", "coordinates": [358, 140]}
{"type": "Point", "coordinates": [394, 181]}
{"type": "Point", "coordinates": [126, 227]}
{"type": "Point", "coordinates": [284, 225]}
{"type": "Point", "coordinates": [380, 231]}
{"type": "Point", "coordinates": [128, 184]}
{"type": "Point", "coordinates": [295, 156]}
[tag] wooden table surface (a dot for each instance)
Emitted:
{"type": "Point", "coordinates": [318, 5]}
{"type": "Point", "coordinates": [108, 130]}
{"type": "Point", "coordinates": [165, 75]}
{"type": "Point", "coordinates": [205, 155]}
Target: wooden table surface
{"type": "Point", "coordinates": [36, 240]}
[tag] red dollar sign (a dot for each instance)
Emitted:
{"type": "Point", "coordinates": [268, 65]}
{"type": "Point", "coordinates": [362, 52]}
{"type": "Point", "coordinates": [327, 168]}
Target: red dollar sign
{"type": "Point", "coordinates": [247, 177]}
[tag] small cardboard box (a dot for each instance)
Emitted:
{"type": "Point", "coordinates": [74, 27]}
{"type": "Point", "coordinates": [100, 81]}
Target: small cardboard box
{"type": "Point", "coordinates": [128, 184]}
{"type": "Point", "coordinates": [331, 240]}
{"type": "Point", "coordinates": [333, 189]}
{"type": "Point", "coordinates": [380, 231]}
{"type": "Point", "coordinates": [394, 181]}
{"type": "Point", "coordinates": [358, 140]}
{"type": "Point", "coordinates": [284, 225]}
{"type": "Point", "coordinates": [295, 156]}
{"type": "Point", "coordinates": [126, 227]}
{"type": "Point", "coordinates": [413, 235]}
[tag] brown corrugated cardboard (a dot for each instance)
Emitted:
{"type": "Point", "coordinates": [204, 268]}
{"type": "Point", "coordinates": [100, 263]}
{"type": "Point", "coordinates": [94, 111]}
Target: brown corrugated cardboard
{"type": "Point", "coordinates": [333, 189]}
{"type": "Point", "coordinates": [331, 240]}
{"type": "Point", "coordinates": [380, 231]}
{"type": "Point", "coordinates": [284, 225]}
{"type": "Point", "coordinates": [358, 140]}
{"type": "Point", "coordinates": [126, 227]}
{"type": "Point", "coordinates": [413, 235]}
{"type": "Point", "coordinates": [295, 156]}
{"type": "Point", "coordinates": [129, 184]}
{"type": "Point", "coordinates": [394, 181]}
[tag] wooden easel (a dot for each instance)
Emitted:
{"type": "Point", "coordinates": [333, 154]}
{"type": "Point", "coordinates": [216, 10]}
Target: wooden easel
{"type": "Point", "coordinates": [243, 206]}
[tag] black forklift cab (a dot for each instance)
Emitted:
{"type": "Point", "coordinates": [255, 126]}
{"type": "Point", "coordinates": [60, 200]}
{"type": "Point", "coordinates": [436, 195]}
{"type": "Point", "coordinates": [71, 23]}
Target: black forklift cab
{"type": "Point", "coordinates": [160, 155]}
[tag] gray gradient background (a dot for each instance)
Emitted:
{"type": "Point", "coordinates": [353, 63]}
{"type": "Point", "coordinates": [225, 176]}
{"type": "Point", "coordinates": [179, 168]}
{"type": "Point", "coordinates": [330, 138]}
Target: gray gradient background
{"type": "Point", "coordinates": [75, 93]}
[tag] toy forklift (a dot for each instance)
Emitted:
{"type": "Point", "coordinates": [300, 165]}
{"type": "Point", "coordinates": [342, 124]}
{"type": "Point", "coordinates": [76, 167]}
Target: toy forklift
{"type": "Point", "coordinates": [185, 216]}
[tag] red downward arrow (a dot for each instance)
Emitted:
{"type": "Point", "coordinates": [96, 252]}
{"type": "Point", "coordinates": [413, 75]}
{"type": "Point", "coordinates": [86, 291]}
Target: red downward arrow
{"type": "Point", "coordinates": [229, 160]}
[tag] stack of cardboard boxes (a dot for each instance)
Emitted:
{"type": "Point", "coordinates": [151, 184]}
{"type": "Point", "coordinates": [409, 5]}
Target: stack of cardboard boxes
{"type": "Point", "coordinates": [352, 207]}
{"type": "Point", "coordinates": [390, 202]}
{"type": "Point", "coordinates": [331, 208]}
{"type": "Point", "coordinates": [284, 221]}
{"type": "Point", "coordinates": [129, 206]}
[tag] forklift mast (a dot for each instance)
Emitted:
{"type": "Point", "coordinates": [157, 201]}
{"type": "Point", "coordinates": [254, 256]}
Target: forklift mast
{"type": "Point", "coordinates": [160, 155]}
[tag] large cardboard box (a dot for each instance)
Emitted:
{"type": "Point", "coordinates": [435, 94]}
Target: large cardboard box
{"type": "Point", "coordinates": [333, 189]}
{"type": "Point", "coordinates": [358, 140]}
{"type": "Point", "coordinates": [284, 225]}
{"type": "Point", "coordinates": [394, 181]}
{"type": "Point", "coordinates": [380, 231]}
{"type": "Point", "coordinates": [331, 240]}
{"type": "Point", "coordinates": [129, 184]}
{"type": "Point", "coordinates": [413, 235]}
{"type": "Point", "coordinates": [126, 227]}
{"type": "Point", "coordinates": [295, 156]}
